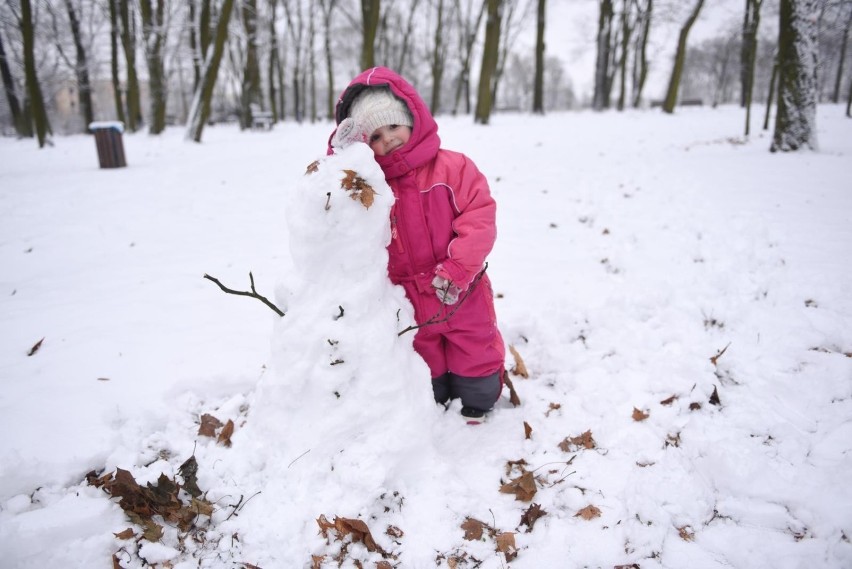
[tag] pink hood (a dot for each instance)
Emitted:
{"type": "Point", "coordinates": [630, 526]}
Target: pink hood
{"type": "Point", "coordinates": [424, 142]}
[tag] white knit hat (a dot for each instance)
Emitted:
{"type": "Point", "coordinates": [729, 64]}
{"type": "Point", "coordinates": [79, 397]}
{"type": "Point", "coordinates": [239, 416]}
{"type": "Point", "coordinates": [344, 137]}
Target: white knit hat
{"type": "Point", "coordinates": [377, 107]}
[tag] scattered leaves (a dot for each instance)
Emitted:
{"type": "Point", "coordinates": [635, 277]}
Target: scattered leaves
{"type": "Point", "coordinates": [589, 513]}
{"type": "Point", "coordinates": [513, 395]}
{"type": "Point", "coordinates": [523, 487]}
{"type": "Point", "coordinates": [126, 534]}
{"type": "Point", "coordinates": [639, 415]}
{"type": "Point", "coordinates": [474, 530]}
{"type": "Point", "coordinates": [673, 440]}
{"type": "Point", "coordinates": [695, 406]}
{"type": "Point", "coordinates": [209, 425]}
{"type": "Point", "coordinates": [35, 347]}
{"type": "Point", "coordinates": [312, 167]}
{"type": "Point", "coordinates": [669, 400]}
{"type": "Point", "coordinates": [686, 533]}
{"type": "Point", "coordinates": [506, 545]}
{"type": "Point", "coordinates": [519, 368]}
{"type": "Point", "coordinates": [584, 441]}
{"type": "Point", "coordinates": [189, 472]}
{"type": "Point", "coordinates": [715, 359]}
{"type": "Point", "coordinates": [527, 431]}
{"type": "Point", "coordinates": [394, 531]}
{"type": "Point", "coordinates": [551, 408]}
{"type": "Point", "coordinates": [358, 188]}
{"type": "Point", "coordinates": [349, 530]}
{"type": "Point", "coordinates": [531, 515]}
{"type": "Point", "coordinates": [227, 432]}
{"type": "Point", "coordinates": [714, 397]}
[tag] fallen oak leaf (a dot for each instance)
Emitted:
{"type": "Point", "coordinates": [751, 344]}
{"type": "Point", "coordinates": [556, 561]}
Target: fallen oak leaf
{"type": "Point", "coordinates": [519, 368]}
{"type": "Point", "coordinates": [531, 515]}
{"type": "Point", "coordinates": [209, 425]}
{"type": "Point", "coordinates": [572, 444]}
{"type": "Point", "coordinates": [686, 533]}
{"type": "Point", "coordinates": [126, 534]}
{"type": "Point", "coordinates": [552, 407]}
{"type": "Point", "coordinates": [473, 529]}
{"type": "Point", "coordinates": [669, 400]}
{"type": "Point", "coordinates": [506, 545]}
{"type": "Point", "coordinates": [714, 397]}
{"type": "Point", "coordinates": [639, 415]}
{"type": "Point", "coordinates": [225, 435]}
{"type": "Point", "coordinates": [527, 430]}
{"type": "Point", "coordinates": [523, 487]}
{"type": "Point", "coordinates": [589, 513]}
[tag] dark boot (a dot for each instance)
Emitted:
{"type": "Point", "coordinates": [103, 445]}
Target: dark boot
{"type": "Point", "coordinates": [478, 394]}
{"type": "Point", "coordinates": [441, 388]}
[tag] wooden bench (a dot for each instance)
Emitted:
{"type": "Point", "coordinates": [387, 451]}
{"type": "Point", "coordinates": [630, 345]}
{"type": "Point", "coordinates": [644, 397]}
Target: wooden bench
{"type": "Point", "coordinates": [261, 120]}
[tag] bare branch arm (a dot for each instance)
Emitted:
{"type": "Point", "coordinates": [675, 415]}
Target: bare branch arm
{"type": "Point", "coordinates": [252, 294]}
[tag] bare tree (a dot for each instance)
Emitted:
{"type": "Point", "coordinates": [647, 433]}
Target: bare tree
{"type": "Point", "coordinates": [38, 112]}
{"type": "Point", "coordinates": [128, 42]}
{"type": "Point", "coordinates": [114, 34]}
{"type": "Point", "coordinates": [795, 120]}
{"type": "Point", "coordinates": [640, 59]}
{"type": "Point", "coordinates": [296, 31]}
{"type": "Point", "coordinates": [538, 82]}
{"type": "Point", "coordinates": [154, 36]}
{"type": "Point", "coordinates": [370, 10]}
{"type": "Point", "coordinates": [600, 98]}
{"type": "Point", "coordinates": [200, 110]}
{"type": "Point", "coordinates": [490, 56]}
{"type": "Point", "coordinates": [22, 127]}
{"type": "Point", "coordinates": [327, 7]}
{"type": "Point", "coordinates": [468, 27]}
{"type": "Point", "coordinates": [835, 96]}
{"type": "Point", "coordinates": [680, 56]}
{"type": "Point", "coordinates": [751, 23]}
{"type": "Point", "coordinates": [80, 64]}
{"type": "Point", "coordinates": [439, 54]}
{"type": "Point", "coordinates": [250, 92]}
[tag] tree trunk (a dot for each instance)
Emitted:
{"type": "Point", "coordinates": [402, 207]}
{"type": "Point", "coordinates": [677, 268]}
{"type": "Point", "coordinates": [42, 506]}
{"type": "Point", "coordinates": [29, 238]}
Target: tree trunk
{"type": "Point", "coordinates": [626, 32]}
{"type": "Point", "coordinates": [641, 59]}
{"type": "Point", "coordinates": [153, 35]}
{"type": "Point", "coordinates": [750, 54]}
{"type": "Point", "coordinates": [327, 9]}
{"type": "Point", "coordinates": [795, 120]}
{"type": "Point", "coordinates": [200, 110]}
{"type": "Point", "coordinates": [538, 81]}
{"type": "Point", "coordinates": [406, 38]}
{"type": "Point", "coordinates": [128, 42]}
{"type": "Point", "coordinates": [680, 57]}
{"type": "Point", "coordinates": [490, 55]}
{"type": "Point", "coordinates": [370, 20]}
{"type": "Point", "coordinates": [466, 41]}
{"type": "Point", "coordinates": [250, 93]}
{"type": "Point", "coordinates": [599, 99]}
{"type": "Point", "coordinates": [39, 113]}
{"type": "Point", "coordinates": [771, 94]}
{"type": "Point", "coordinates": [312, 65]}
{"type": "Point", "coordinates": [81, 67]}
{"type": "Point", "coordinates": [113, 43]}
{"type": "Point", "coordinates": [438, 53]}
{"type": "Point", "coordinates": [11, 96]}
{"type": "Point", "coordinates": [835, 97]}
{"type": "Point", "coordinates": [849, 100]}
{"type": "Point", "coordinates": [273, 62]}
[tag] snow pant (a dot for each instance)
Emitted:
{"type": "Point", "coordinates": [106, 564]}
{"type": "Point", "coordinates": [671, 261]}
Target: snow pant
{"type": "Point", "coordinates": [461, 345]}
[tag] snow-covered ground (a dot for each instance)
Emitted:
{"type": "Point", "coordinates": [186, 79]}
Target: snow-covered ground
{"type": "Point", "coordinates": [632, 249]}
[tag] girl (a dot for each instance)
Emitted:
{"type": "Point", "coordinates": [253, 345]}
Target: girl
{"type": "Point", "coordinates": [442, 227]}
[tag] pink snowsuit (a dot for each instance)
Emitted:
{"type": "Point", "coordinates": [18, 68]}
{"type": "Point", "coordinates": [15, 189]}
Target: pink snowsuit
{"type": "Point", "coordinates": [443, 220]}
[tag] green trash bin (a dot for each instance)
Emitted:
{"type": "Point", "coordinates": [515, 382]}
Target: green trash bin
{"type": "Point", "coordinates": [109, 142]}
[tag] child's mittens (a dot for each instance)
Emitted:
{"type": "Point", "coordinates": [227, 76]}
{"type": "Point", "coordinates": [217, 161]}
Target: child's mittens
{"type": "Point", "coordinates": [445, 290]}
{"type": "Point", "coordinates": [348, 131]}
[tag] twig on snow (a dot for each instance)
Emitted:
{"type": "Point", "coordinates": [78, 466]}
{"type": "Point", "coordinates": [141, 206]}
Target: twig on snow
{"type": "Point", "coordinates": [252, 294]}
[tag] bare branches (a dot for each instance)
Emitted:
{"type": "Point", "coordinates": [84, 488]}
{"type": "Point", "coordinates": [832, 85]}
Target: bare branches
{"type": "Point", "coordinates": [435, 319]}
{"type": "Point", "coordinates": [252, 294]}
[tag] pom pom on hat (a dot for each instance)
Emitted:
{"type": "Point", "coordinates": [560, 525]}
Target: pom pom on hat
{"type": "Point", "coordinates": [377, 107]}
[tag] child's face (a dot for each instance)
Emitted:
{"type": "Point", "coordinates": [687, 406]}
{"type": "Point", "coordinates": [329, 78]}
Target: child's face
{"type": "Point", "coordinates": [389, 138]}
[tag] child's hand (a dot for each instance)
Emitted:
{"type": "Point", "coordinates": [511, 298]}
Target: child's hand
{"type": "Point", "coordinates": [348, 132]}
{"type": "Point", "coordinates": [446, 291]}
